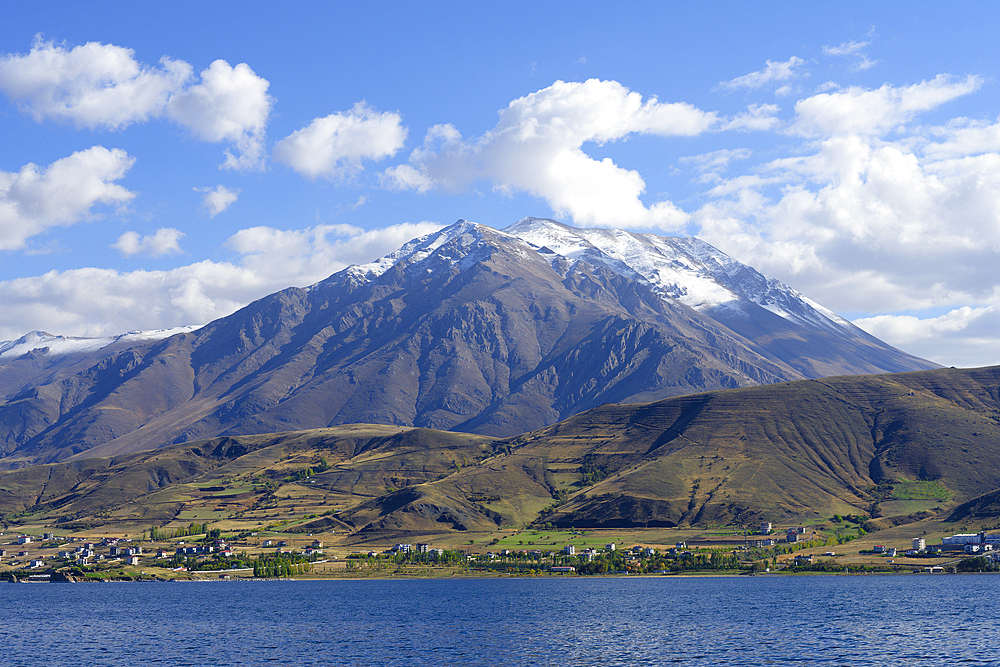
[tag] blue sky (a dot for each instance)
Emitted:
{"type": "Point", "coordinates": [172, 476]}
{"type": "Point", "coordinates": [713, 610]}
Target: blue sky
{"type": "Point", "coordinates": [166, 165]}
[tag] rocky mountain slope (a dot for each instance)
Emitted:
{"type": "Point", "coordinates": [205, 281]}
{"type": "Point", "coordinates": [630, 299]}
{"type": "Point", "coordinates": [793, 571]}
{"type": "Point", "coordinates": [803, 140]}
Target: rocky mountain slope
{"type": "Point", "coordinates": [468, 329]}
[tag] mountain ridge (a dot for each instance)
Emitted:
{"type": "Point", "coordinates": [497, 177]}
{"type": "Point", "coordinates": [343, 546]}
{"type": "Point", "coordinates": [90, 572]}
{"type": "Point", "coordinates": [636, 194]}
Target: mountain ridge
{"type": "Point", "coordinates": [469, 328]}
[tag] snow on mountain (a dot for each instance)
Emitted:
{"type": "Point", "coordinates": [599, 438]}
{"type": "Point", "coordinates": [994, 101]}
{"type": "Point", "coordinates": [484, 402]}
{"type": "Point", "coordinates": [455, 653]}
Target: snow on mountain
{"type": "Point", "coordinates": [470, 234]}
{"type": "Point", "coordinates": [53, 345]}
{"type": "Point", "coordinates": [687, 269]}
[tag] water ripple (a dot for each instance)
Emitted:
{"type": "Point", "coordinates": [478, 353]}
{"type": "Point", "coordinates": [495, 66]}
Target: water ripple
{"type": "Point", "coordinates": [830, 621]}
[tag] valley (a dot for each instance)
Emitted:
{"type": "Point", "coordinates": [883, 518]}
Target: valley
{"type": "Point", "coordinates": [905, 454]}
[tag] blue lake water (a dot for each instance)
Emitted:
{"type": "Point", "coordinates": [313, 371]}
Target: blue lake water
{"type": "Point", "coordinates": [846, 620]}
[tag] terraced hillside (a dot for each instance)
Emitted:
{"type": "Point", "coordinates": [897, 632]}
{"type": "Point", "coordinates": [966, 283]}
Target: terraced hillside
{"type": "Point", "coordinates": [888, 444]}
{"type": "Point", "coordinates": [900, 446]}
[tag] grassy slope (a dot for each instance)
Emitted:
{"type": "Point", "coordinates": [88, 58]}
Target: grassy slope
{"type": "Point", "coordinates": [795, 451]}
{"type": "Point", "coordinates": [227, 476]}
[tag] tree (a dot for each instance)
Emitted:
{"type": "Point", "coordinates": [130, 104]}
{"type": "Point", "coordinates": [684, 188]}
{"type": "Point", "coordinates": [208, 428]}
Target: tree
{"type": "Point", "coordinates": [975, 564]}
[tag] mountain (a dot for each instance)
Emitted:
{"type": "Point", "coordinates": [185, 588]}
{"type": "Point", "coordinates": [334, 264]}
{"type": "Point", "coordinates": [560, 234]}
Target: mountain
{"type": "Point", "coordinates": [812, 339]}
{"type": "Point", "coordinates": [37, 356]}
{"type": "Point", "coordinates": [908, 446]}
{"type": "Point", "coordinates": [468, 329]}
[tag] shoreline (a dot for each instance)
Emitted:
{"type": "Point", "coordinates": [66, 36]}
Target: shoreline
{"type": "Point", "coordinates": [417, 577]}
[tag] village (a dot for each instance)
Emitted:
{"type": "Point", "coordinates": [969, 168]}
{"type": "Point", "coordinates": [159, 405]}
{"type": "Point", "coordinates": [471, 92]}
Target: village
{"type": "Point", "coordinates": [210, 554]}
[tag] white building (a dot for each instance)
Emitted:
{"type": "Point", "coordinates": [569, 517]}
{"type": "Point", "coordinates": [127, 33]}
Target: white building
{"type": "Point", "coordinates": [569, 550]}
{"type": "Point", "coordinates": [919, 544]}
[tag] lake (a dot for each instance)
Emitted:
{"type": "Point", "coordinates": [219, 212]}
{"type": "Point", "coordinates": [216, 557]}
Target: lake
{"type": "Point", "coordinates": [814, 620]}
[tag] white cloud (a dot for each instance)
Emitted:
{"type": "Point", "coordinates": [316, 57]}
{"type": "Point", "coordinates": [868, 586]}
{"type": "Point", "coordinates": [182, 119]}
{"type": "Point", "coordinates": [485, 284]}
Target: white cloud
{"type": "Point", "coordinates": [962, 337]}
{"type": "Point", "coordinates": [963, 137]}
{"type": "Point", "coordinates": [757, 117]}
{"type": "Point", "coordinates": [772, 72]}
{"type": "Point", "coordinates": [35, 198]}
{"type": "Point", "coordinates": [311, 254]}
{"type": "Point", "coordinates": [537, 147]}
{"type": "Point", "coordinates": [853, 50]}
{"type": "Point", "coordinates": [865, 63]}
{"type": "Point", "coordinates": [712, 165]}
{"type": "Point", "coordinates": [716, 160]}
{"type": "Point", "coordinates": [217, 199]}
{"type": "Point", "coordinates": [860, 222]}
{"type": "Point", "coordinates": [407, 177]}
{"type": "Point", "coordinates": [98, 302]}
{"type": "Point", "coordinates": [164, 242]}
{"type": "Point", "coordinates": [336, 145]}
{"type": "Point", "coordinates": [92, 85]}
{"type": "Point", "coordinates": [858, 110]}
{"type": "Point", "coordinates": [230, 104]}
{"type": "Point", "coordinates": [845, 49]}
{"type": "Point", "coordinates": [103, 85]}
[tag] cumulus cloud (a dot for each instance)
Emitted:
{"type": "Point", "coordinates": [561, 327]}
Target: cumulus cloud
{"type": "Point", "coordinates": [92, 85]}
{"type": "Point", "coordinates": [166, 241]}
{"type": "Point", "coordinates": [963, 137]}
{"type": "Point", "coordinates": [872, 217]}
{"type": "Point", "coordinates": [537, 147]}
{"type": "Point", "coordinates": [36, 198]}
{"type": "Point", "coordinates": [966, 336]}
{"type": "Point", "coordinates": [229, 104]}
{"type": "Point", "coordinates": [857, 110]}
{"type": "Point", "coordinates": [217, 199]}
{"type": "Point", "coordinates": [99, 302]}
{"type": "Point", "coordinates": [772, 72]}
{"type": "Point", "coordinates": [336, 145]}
{"type": "Point", "coordinates": [103, 85]}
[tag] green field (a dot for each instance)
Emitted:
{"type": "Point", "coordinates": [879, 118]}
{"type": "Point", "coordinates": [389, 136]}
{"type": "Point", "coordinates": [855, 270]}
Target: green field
{"type": "Point", "coordinates": [920, 490]}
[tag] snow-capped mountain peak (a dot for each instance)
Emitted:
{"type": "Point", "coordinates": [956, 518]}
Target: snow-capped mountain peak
{"type": "Point", "coordinates": [686, 269]}
{"type": "Point", "coordinates": [55, 346]}
{"type": "Point", "coordinates": [461, 244]}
